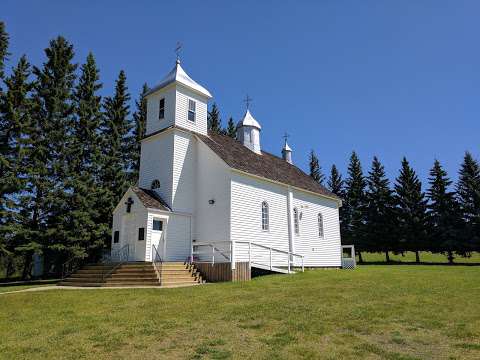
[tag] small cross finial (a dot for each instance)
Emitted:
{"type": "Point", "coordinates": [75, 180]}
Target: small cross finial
{"type": "Point", "coordinates": [178, 48]}
{"type": "Point", "coordinates": [286, 136]}
{"type": "Point", "coordinates": [247, 101]}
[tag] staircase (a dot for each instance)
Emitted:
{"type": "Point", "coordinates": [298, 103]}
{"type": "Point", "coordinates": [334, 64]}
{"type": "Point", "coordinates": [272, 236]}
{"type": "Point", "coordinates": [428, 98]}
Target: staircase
{"type": "Point", "coordinates": [171, 274]}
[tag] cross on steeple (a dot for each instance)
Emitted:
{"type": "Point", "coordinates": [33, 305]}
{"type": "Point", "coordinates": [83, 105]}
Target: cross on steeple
{"type": "Point", "coordinates": [286, 136]}
{"type": "Point", "coordinates": [247, 101]}
{"type": "Point", "coordinates": [177, 50]}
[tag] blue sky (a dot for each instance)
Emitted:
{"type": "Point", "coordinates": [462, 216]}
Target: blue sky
{"type": "Point", "coordinates": [382, 78]}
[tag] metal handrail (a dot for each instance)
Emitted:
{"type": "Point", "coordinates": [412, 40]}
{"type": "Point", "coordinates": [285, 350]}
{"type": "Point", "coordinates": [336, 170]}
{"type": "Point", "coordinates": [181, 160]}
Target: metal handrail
{"type": "Point", "coordinates": [157, 263]}
{"type": "Point", "coordinates": [71, 265]}
{"type": "Point", "coordinates": [214, 249]}
{"type": "Point", "coordinates": [123, 254]}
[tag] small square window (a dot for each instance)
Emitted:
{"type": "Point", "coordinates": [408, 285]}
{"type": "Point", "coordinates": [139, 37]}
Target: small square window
{"type": "Point", "coordinates": [141, 234]}
{"type": "Point", "coordinates": [161, 109]}
{"type": "Point", "coordinates": [116, 237]}
{"type": "Point", "coordinates": [191, 110]}
{"type": "Point", "coordinates": [157, 225]}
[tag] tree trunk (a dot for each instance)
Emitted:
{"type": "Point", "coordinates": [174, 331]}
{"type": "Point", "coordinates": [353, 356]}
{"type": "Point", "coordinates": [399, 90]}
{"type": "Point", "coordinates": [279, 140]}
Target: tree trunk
{"type": "Point", "coordinates": [417, 256]}
{"type": "Point", "coordinates": [27, 266]}
{"type": "Point", "coordinates": [450, 256]}
{"type": "Point", "coordinates": [360, 259]}
{"type": "Point", "coordinates": [387, 257]}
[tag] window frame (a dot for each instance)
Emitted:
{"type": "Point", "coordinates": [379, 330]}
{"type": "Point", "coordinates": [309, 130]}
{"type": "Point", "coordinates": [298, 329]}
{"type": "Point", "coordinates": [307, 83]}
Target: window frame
{"type": "Point", "coordinates": [153, 224]}
{"type": "Point", "coordinates": [296, 222]}
{"type": "Point", "coordinates": [161, 109]}
{"type": "Point", "coordinates": [321, 226]}
{"type": "Point", "coordinates": [265, 216]}
{"type": "Point", "coordinates": [116, 236]}
{"type": "Point", "coordinates": [191, 110]}
{"type": "Point", "coordinates": [141, 234]}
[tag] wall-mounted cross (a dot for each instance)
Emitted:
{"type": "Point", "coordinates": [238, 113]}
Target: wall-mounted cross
{"type": "Point", "coordinates": [247, 101]}
{"type": "Point", "coordinates": [129, 204]}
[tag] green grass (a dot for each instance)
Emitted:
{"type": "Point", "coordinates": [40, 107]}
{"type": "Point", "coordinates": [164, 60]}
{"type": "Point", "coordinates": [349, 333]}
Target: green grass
{"type": "Point", "coordinates": [18, 287]}
{"type": "Point", "coordinates": [374, 312]}
{"type": "Point", "coordinates": [425, 257]}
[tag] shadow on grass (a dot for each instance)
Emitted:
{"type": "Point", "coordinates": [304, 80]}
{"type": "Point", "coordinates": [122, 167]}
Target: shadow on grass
{"type": "Point", "coordinates": [393, 262]}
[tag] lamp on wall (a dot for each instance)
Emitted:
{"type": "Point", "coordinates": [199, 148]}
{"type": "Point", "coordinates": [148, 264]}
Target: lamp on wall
{"type": "Point", "coordinates": [211, 201]}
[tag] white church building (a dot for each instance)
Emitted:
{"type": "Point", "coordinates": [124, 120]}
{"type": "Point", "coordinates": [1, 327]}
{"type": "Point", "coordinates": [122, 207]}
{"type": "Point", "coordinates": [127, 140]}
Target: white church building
{"type": "Point", "coordinates": [211, 199]}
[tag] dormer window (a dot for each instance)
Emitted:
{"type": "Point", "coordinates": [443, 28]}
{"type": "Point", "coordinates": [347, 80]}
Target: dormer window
{"type": "Point", "coordinates": [191, 110]}
{"type": "Point", "coordinates": [161, 109]}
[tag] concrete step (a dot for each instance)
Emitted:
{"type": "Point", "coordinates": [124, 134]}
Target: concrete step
{"type": "Point", "coordinates": [132, 275]}
{"type": "Point", "coordinates": [127, 279]}
{"type": "Point", "coordinates": [132, 283]}
{"type": "Point", "coordinates": [80, 284]}
{"type": "Point", "coordinates": [178, 278]}
{"type": "Point", "coordinates": [170, 283]}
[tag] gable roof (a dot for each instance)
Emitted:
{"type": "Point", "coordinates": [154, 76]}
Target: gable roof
{"type": "Point", "coordinates": [265, 165]}
{"type": "Point", "coordinates": [150, 199]}
{"type": "Point", "coordinates": [177, 74]}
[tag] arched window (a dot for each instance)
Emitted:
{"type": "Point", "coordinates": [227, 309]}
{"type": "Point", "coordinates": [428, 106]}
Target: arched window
{"type": "Point", "coordinates": [320, 225]}
{"type": "Point", "coordinates": [155, 184]}
{"type": "Point", "coordinates": [265, 216]}
{"type": "Point", "coordinates": [296, 224]}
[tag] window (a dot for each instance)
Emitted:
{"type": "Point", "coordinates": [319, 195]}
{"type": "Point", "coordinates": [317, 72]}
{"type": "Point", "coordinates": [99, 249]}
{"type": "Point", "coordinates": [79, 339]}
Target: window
{"type": "Point", "coordinates": [191, 110]}
{"type": "Point", "coordinates": [161, 109]}
{"type": "Point", "coordinates": [157, 225]}
{"type": "Point", "coordinates": [320, 225]}
{"type": "Point", "coordinates": [296, 225]}
{"type": "Point", "coordinates": [265, 220]}
{"type": "Point", "coordinates": [155, 184]}
{"type": "Point", "coordinates": [116, 237]}
{"type": "Point", "coordinates": [141, 234]}
{"type": "Point", "coordinates": [129, 204]}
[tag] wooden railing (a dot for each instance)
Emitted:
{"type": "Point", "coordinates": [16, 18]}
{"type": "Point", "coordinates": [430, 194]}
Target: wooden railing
{"type": "Point", "coordinates": [259, 255]}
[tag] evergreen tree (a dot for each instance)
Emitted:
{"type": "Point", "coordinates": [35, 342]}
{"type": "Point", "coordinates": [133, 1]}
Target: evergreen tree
{"type": "Point", "coordinates": [444, 215]}
{"type": "Point", "coordinates": [411, 211]}
{"type": "Point", "coordinates": [231, 129]}
{"type": "Point", "coordinates": [353, 208]}
{"type": "Point", "coordinates": [335, 182]}
{"type": "Point", "coordinates": [315, 169]}
{"type": "Point", "coordinates": [214, 121]}
{"type": "Point", "coordinates": [468, 192]}
{"type": "Point", "coordinates": [140, 119]}
{"type": "Point", "coordinates": [52, 120]}
{"type": "Point", "coordinates": [116, 140]}
{"type": "Point", "coordinates": [4, 42]}
{"type": "Point", "coordinates": [14, 121]}
{"type": "Point", "coordinates": [84, 230]}
{"type": "Point", "coordinates": [379, 214]}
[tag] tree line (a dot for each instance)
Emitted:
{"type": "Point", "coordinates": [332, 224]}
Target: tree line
{"type": "Point", "coordinates": [67, 155]}
{"type": "Point", "coordinates": [379, 217]}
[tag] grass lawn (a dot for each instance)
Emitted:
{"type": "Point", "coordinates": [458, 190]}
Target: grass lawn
{"type": "Point", "coordinates": [18, 287]}
{"type": "Point", "coordinates": [425, 257]}
{"type": "Point", "coordinates": [374, 312]}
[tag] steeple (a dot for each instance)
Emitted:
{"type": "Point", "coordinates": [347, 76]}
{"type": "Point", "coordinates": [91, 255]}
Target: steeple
{"type": "Point", "coordinates": [248, 132]}
{"type": "Point", "coordinates": [287, 151]}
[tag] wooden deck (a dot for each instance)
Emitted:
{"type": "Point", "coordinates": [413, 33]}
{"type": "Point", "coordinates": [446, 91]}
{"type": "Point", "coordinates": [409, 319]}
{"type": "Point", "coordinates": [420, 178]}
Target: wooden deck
{"type": "Point", "coordinates": [223, 271]}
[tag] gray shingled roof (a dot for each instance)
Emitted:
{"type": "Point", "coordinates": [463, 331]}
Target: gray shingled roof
{"type": "Point", "coordinates": [150, 199]}
{"type": "Point", "coordinates": [266, 165]}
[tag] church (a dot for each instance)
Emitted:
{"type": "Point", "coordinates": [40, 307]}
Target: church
{"type": "Point", "coordinates": [219, 202]}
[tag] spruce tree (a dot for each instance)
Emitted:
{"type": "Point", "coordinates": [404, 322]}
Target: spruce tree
{"type": "Point", "coordinates": [214, 121]}
{"type": "Point", "coordinates": [353, 208]}
{"type": "Point", "coordinates": [53, 118]}
{"type": "Point", "coordinates": [140, 120]}
{"type": "Point", "coordinates": [14, 121]}
{"type": "Point", "coordinates": [379, 211]}
{"type": "Point", "coordinates": [116, 142]}
{"type": "Point", "coordinates": [315, 169]}
{"type": "Point", "coordinates": [411, 209]}
{"type": "Point", "coordinates": [335, 182]}
{"type": "Point", "coordinates": [468, 193]}
{"type": "Point", "coordinates": [444, 214]}
{"type": "Point", "coordinates": [231, 128]}
{"type": "Point", "coordinates": [84, 230]}
{"type": "Point", "coordinates": [4, 42]}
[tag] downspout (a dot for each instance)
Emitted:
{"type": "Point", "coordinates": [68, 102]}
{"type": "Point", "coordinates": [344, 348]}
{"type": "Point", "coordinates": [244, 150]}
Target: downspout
{"type": "Point", "coordinates": [291, 243]}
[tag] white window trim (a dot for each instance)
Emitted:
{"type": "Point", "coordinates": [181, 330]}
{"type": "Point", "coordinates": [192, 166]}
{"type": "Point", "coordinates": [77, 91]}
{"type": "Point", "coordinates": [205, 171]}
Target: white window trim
{"type": "Point", "coordinates": [321, 226]}
{"type": "Point", "coordinates": [194, 111]}
{"type": "Point", "coordinates": [267, 217]}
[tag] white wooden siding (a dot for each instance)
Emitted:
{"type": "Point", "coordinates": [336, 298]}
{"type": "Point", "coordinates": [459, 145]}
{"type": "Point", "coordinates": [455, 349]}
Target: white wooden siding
{"type": "Point", "coordinates": [178, 238]}
{"type": "Point", "coordinates": [153, 103]}
{"type": "Point", "coordinates": [181, 117]}
{"type": "Point", "coordinates": [156, 162]}
{"type": "Point", "coordinates": [318, 251]}
{"type": "Point", "coordinates": [184, 177]}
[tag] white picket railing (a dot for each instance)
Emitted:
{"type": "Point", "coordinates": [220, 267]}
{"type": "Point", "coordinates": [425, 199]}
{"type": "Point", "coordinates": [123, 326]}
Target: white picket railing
{"type": "Point", "coordinates": [257, 255]}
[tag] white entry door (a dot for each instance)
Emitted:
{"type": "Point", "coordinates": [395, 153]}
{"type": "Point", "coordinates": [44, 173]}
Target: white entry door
{"type": "Point", "coordinates": [136, 251]}
{"type": "Point", "coordinates": [157, 240]}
